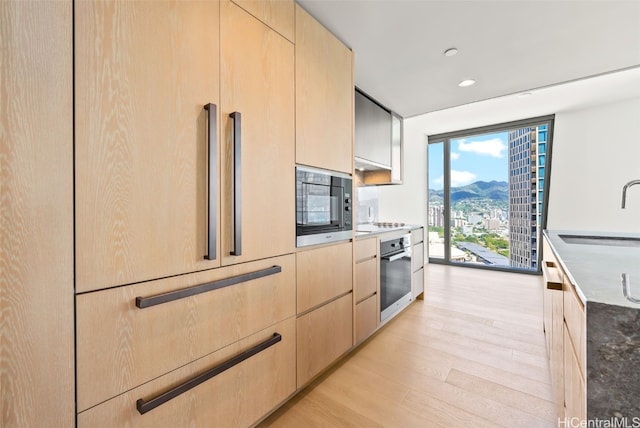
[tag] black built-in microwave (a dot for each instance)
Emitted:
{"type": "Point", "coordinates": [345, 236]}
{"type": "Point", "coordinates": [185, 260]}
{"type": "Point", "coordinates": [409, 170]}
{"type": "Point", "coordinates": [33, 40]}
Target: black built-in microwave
{"type": "Point", "coordinates": [323, 206]}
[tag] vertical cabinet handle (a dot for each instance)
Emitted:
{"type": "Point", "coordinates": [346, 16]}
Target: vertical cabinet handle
{"type": "Point", "coordinates": [237, 183]}
{"type": "Point", "coordinates": [212, 196]}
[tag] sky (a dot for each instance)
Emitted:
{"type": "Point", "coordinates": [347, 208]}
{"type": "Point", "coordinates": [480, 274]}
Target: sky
{"type": "Point", "coordinates": [474, 158]}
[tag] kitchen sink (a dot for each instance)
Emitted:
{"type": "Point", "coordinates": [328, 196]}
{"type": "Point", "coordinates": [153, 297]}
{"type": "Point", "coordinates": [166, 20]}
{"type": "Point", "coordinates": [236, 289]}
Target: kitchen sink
{"type": "Point", "coordinates": [611, 241]}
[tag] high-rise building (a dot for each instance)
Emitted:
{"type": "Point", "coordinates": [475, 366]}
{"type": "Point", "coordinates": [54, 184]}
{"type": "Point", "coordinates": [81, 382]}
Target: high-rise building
{"type": "Point", "coordinates": [436, 215]}
{"type": "Point", "coordinates": [526, 189]}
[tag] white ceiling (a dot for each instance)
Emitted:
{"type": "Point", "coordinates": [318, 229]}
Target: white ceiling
{"type": "Point", "coordinates": [507, 46]}
{"type": "Point", "coordinates": [575, 95]}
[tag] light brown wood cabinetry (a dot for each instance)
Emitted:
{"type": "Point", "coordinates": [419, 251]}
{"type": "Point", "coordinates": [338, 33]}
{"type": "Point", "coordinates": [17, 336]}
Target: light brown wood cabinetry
{"type": "Point", "coordinates": [366, 284]}
{"type": "Point", "coordinates": [322, 274]}
{"type": "Point", "coordinates": [36, 214]}
{"type": "Point", "coordinates": [257, 80]}
{"type": "Point", "coordinates": [574, 389]}
{"type": "Point", "coordinates": [237, 397]}
{"type": "Point", "coordinates": [160, 338]}
{"type": "Point", "coordinates": [553, 324]}
{"type": "Point", "coordinates": [143, 73]}
{"type": "Point", "coordinates": [277, 14]}
{"type": "Point", "coordinates": [367, 318]}
{"type": "Point", "coordinates": [324, 97]}
{"type": "Point", "coordinates": [366, 287]}
{"type": "Point", "coordinates": [565, 331]}
{"type": "Point", "coordinates": [145, 191]}
{"type": "Point", "coordinates": [575, 349]}
{"type": "Point", "coordinates": [323, 335]}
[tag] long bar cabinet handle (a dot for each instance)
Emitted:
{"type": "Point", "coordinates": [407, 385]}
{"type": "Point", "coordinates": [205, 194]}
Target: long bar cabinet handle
{"type": "Point", "coordinates": [237, 183]}
{"type": "Point", "coordinates": [145, 406]}
{"type": "Point", "coordinates": [145, 302]}
{"type": "Point", "coordinates": [212, 197]}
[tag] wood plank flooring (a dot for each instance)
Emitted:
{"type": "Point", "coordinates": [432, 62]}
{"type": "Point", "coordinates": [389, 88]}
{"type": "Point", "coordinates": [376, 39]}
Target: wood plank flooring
{"type": "Point", "coordinates": [471, 354]}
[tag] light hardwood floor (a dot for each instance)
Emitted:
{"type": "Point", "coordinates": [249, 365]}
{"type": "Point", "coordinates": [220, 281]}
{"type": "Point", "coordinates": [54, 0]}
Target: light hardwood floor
{"type": "Point", "coordinates": [472, 354]}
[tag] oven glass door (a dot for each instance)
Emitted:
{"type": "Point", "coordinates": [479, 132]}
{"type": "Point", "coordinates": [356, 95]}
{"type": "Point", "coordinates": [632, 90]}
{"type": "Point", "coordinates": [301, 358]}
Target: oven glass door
{"type": "Point", "coordinates": [395, 281]}
{"type": "Point", "coordinates": [321, 206]}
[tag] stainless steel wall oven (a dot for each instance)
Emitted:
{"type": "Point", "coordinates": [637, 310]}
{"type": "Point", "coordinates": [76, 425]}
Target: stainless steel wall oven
{"type": "Point", "coordinates": [323, 206]}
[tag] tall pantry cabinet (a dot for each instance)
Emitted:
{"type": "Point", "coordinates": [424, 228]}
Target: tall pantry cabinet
{"type": "Point", "coordinates": [36, 214]}
{"type": "Point", "coordinates": [184, 163]}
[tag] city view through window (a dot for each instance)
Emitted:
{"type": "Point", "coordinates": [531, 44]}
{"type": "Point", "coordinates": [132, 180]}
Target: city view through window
{"type": "Point", "coordinates": [486, 197]}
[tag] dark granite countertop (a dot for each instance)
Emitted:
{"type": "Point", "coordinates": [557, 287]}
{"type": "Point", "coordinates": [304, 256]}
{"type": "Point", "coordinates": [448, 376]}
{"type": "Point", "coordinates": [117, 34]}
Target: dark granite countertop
{"type": "Point", "coordinates": [596, 270]}
{"type": "Point", "coordinates": [612, 321]}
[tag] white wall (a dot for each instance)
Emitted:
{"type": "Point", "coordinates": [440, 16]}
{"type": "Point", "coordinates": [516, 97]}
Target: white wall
{"type": "Point", "coordinates": [595, 152]}
{"type": "Point", "coordinates": [408, 202]}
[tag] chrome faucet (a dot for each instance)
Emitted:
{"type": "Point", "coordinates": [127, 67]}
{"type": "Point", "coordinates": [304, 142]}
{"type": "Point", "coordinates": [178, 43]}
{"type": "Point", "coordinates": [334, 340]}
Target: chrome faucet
{"type": "Point", "coordinates": [624, 191]}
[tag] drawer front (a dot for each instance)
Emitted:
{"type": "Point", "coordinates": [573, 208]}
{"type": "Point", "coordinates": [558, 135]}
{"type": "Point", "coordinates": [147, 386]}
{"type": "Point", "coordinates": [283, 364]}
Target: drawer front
{"type": "Point", "coordinates": [417, 257]}
{"type": "Point", "coordinates": [575, 319]}
{"type": "Point", "coordinates": [365, 248]}
{"type": "Point", "coordinates": [323, 335]}
{"type": "Point", "coordinates": [366, 279]}
{"type": "Point", "coordinates": [322, 274]}
{"type": "Point", "coordinates": [417, 235]}
{"type": "Point", "coordinates": [367, 316]}
{"type": "Point", "coordinates": [575, 399]}
{"type": "Point", "coordinates": [237, 397]}
{"type": "Point", "coordinates": [417, 282]}
{"type": "Point", "coordinates": [115, 336]}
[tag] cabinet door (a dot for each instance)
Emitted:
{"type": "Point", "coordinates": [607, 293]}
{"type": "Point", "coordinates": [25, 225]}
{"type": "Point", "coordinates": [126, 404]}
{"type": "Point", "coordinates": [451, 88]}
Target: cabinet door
{"type": "Point", "coordinates": [143, 72]}
{"type": "Point", "coordinates": [258, 206]}
{"type": "Point", "coordinates": [324, 97]}
{"type": "Point", "coordinates": [36, 214]}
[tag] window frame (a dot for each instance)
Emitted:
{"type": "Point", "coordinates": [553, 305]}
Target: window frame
{"type": "Point", "coordinates": [445, 139]}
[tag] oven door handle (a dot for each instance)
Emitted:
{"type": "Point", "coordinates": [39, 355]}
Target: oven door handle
{"type": "Point", "coordinates": [396, 256]}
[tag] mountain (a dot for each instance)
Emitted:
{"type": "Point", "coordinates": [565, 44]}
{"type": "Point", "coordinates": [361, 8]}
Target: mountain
{"type": "Point", "coordinates": [495, 190]}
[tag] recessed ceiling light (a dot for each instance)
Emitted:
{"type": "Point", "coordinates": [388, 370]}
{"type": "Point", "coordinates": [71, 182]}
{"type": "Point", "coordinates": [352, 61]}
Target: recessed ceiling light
{"type": "Point", "coordinates": [450, 52]}
{"type": "Point", "coordinates": [467, 82]}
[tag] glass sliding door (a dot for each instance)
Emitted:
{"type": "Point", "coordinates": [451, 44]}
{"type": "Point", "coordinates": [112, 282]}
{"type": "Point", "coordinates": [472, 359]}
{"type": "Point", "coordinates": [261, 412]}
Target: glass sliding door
{"type": "Point", "coordinates": [487, 195]}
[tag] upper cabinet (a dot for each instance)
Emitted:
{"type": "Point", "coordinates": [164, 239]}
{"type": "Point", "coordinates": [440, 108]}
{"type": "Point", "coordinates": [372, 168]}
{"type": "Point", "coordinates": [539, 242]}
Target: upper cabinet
{"type": "Point", "coordinates": [277, 14]}
{"type": "Point", "coordinates": [167, 181]}
{"type": "Point", "coordinates": [372, 132]}
{"type": "Point", "coordinates": [324, 97]}
{"type": "Point", "coordinates": [257, 117]}
{"type": "Point", "coordinates": [378, 142]}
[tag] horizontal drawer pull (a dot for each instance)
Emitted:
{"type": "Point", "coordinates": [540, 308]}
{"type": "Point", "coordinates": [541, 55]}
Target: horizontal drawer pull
{"type": "Point", "coordinates": [145, 302]}
{"type": "Point", "coordinates": [145, 406]}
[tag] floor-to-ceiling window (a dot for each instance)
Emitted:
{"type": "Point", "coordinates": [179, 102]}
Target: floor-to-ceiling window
{"type": "Point", "coordinates": [488, 194]}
